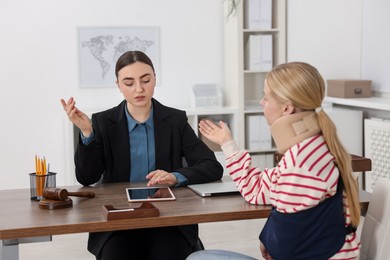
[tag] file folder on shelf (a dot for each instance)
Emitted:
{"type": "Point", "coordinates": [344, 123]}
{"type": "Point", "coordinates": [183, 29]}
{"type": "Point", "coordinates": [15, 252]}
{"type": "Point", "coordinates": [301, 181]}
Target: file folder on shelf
{"type": "Point", "coordinates": [258, 133]}
{"type": "Point", "coordinates": [259, 52]}
{"type": "Point", "coordinates": [258, 14]}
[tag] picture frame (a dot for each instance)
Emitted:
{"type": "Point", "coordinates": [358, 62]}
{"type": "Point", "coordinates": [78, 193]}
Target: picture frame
{"type": "Point", "coordinates": [100, 47]}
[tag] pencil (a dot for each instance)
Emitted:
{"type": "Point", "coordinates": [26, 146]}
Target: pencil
{"type": "Point", "coordinates": [44, 165]}
{"type": "Point", "coordinates": [41, 169]}
{"type": "Point", "coordinates": [36, 164]}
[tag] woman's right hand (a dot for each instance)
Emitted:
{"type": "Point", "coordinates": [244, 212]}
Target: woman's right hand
{"type": "Point", "coordinates": [77, 117]}
{"type": "Point", "coordinates": [219, 134]}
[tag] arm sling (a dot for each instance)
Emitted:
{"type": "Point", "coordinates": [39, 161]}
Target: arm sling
{"type": "Point", "coordinates": [315, 233]}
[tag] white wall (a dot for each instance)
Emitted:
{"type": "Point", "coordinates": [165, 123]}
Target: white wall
{"type": "Point", "coordinates": [375, 44]}
{"type": "Point", "coordinates": [326, 34]}
{"type": "Point", "coordinates": [39, 65]}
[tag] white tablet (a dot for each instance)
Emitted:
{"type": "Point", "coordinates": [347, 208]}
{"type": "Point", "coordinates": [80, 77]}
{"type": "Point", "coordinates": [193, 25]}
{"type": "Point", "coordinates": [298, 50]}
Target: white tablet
{"type": "Point", "coordinates": [140, 194]}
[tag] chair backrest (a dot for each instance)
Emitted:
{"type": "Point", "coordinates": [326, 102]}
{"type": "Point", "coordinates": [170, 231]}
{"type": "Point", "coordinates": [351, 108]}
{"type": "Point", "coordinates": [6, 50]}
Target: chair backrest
{"type": "Point", "coordinates": [375, 236]}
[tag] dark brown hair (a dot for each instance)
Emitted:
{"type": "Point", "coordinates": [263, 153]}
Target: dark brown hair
{"type": "Point", "coordinates": [131, 57]}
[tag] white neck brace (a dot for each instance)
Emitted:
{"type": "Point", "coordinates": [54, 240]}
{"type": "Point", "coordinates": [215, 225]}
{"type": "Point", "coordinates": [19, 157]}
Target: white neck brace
{"type": "Point", "coordinates": [292, 129]}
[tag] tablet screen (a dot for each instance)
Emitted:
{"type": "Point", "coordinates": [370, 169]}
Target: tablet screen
{"type": "Point", "coordinates": [149, 194]}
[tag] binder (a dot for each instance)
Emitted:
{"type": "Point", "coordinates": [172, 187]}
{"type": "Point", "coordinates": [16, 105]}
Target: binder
{"type": "Point", "coordinates": [259, 52]}
{"type": "Point", "coordinates": [265, 14]}
{"type": "Point", "coordinates": [258, 14]}
{"type": "Point", "coordinates": [266, 53]}
{"type": "Point", "coordinates": [258, 133]}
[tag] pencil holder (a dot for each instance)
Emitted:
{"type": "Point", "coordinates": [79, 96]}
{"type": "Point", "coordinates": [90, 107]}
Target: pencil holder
{"type": "Point", "coordinates": [40, 181]}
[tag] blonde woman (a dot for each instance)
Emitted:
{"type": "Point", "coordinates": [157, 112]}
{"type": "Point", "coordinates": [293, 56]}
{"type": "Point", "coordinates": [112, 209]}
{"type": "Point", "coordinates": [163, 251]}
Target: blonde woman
{"type": "Point", "coordinates": [312, 190]}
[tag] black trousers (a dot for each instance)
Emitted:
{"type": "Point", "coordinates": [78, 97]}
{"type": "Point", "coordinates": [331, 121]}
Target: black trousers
{"type": "Point", "coordinates": [149, 244]}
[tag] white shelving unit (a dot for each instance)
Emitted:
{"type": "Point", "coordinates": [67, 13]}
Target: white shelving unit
{"type": "Point", "coordinates": [226, 114]}
{"type": "Point", "coordinates": [377, 103]}
{"type": "Point", "coordinates": [374, 109]}
{"type": "Point", "coordinates": [244, 87]}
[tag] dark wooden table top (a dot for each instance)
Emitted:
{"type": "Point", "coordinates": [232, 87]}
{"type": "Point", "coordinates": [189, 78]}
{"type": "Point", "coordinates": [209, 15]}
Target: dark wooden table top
{"type": "Point", "coordinates": [20, 217]}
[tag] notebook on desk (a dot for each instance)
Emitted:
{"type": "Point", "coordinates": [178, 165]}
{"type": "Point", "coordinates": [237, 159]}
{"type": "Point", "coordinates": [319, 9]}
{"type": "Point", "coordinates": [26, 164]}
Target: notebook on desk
{"type": "Point", "coordinates": [214, 188]}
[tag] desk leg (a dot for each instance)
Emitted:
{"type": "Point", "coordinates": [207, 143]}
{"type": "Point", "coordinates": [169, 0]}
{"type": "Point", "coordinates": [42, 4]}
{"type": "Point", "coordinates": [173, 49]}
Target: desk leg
{"type": "Point", "coordinates": [9, 248]}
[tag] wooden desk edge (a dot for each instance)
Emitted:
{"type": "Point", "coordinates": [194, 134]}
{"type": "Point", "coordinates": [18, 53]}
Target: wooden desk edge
{"type": "Point", "coordinates": [360, 164]}
{"type": "Point", "coordinates": [114, 225]}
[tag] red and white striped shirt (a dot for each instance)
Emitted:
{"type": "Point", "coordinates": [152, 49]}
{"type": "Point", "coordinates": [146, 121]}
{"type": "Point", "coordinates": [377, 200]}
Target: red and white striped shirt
{"type": "Point", "coordinates": [305, 176]}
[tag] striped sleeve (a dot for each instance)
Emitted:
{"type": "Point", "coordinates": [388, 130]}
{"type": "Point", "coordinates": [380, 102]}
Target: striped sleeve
{"type": "Point", "coordinates": [253, 184]}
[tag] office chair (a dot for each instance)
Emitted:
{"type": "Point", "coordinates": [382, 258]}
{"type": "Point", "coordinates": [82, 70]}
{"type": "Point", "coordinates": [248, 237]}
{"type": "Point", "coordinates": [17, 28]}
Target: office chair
{"type": "Point", "coordinates": [375, 235]}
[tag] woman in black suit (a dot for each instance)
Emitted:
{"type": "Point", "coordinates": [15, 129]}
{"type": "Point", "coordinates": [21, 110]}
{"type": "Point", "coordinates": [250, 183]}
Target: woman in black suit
{"type": "Point", "coordinates": [140, 140]}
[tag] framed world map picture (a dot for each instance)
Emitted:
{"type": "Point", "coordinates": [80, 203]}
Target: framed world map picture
{"type": "Point", "coordinates": [100, 48]}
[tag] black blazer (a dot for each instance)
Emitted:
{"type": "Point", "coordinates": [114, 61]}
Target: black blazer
{"type": "Point", "coordinates": [108, 155]}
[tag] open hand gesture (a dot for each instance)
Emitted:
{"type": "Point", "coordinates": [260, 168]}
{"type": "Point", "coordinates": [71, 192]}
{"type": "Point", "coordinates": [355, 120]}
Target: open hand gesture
{"type": "Point", "coordinates": [77, 117]}
{"type": "Point", "coordinates": [219, 134]}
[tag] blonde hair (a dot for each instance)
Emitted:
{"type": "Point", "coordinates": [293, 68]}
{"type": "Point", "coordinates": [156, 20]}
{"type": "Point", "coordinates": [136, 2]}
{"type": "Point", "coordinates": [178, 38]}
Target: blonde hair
{"type": "Point", "coordinates": [301, 85]}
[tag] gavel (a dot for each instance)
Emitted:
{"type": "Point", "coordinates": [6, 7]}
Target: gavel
{"type": "Point", "coordinates": [62, 194]}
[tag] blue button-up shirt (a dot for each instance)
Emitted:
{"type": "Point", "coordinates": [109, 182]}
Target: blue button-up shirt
{"type": "Point", "coordinates": [142, 152]}
{"type": "Point", "coordinates": [138, 148]}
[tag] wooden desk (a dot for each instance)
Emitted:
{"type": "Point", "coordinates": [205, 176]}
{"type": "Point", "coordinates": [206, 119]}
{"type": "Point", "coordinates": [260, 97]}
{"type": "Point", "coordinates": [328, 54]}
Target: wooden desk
{"type": "Point", "coordinates": [360, 164]}
{"type": "Point", "coordinates": [22, 218]}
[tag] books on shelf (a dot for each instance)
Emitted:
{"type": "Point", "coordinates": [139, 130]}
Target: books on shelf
{"type": "Point", "coordinates": [258, 14]}
{"type": "Point", "coordinates": [259, 52]}
{"type": "Point", "coordinates": [258, 133]}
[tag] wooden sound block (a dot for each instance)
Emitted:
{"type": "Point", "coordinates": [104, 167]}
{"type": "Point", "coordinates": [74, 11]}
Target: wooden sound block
{"type": "Point", "coordinates": [146, 210]}
{"type": "Point", "coordinates": [55, 204]}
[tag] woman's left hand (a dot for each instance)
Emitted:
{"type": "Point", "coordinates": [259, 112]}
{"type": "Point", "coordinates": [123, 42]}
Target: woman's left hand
{"type": "Point", "coordinates": [161, 177]}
